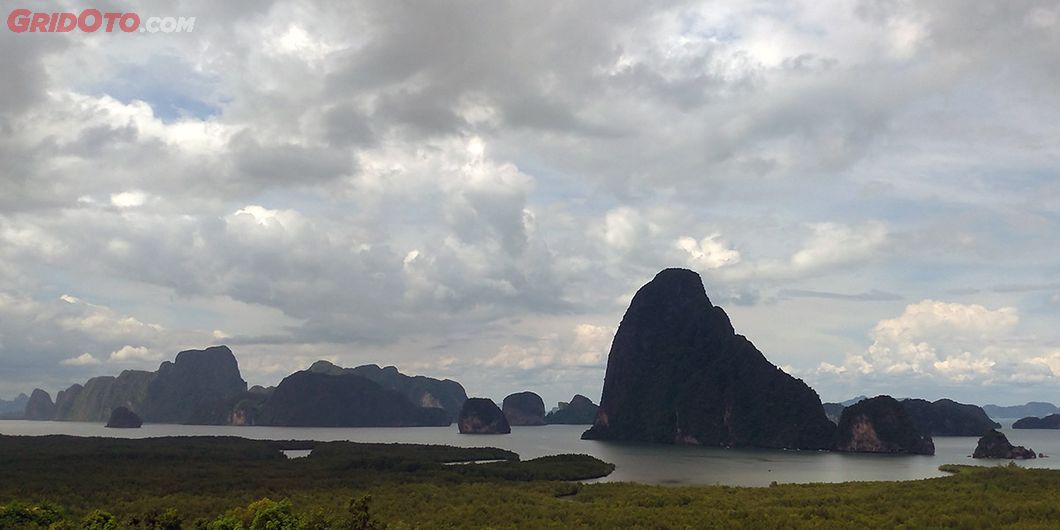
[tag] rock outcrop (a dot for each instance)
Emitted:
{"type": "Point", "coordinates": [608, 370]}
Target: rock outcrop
{"type": "Point", "coordinates": [482, 416]}
{"type": "Point", "coordinates": [1051, 421]}
{"type": "Point", "coordinates": [579, 411]}
{"type": "Point", "coordinates": [881, 425]}
{"type": "Point", "coordinates": [123, 418]}
{"type": "Point", "coordinates": [313, 399]}
{"type": "Point", "coordinates": [678, 373]}
{"type": "Point", "coordinates": [946, 417]}
{"type": "Point", "coordinates": [421, 391]}
{"type": "Point", "coordinates": [524, 408]}
{"type": "Point", "coordinates": [39, 406]}
{"type": "Point", "coordinates": [994, 444]}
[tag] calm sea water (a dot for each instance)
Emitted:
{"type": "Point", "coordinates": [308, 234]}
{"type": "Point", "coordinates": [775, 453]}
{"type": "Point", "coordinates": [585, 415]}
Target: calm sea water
{"type": "Point", "coordinates": [645, 463]}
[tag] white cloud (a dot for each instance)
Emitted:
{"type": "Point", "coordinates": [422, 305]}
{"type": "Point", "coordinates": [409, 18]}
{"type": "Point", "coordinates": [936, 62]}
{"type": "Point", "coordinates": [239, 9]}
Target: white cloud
{"type": "Point", "coordinates": [828, 246]}
{"type": "Point", "coordinates": [85, 359]}
{"type": "Point", "coordinates": [709, 253]}
{"type": "Point", "coordinates": [584, 346]}
{"type": "Point", "coordinates": [258, 218]}
{"type": "Point", "coordinates": [134, 353]}
{"type": "Point", "coordinates": [836, 244]}
{"type": "Point", "coordinates": [128, 199]}
{"type": "Point", "coordinates": [102, 322]}
{"type": "Point", "coordinates": [952, 343]}
{"type": "Point", "coordinates": [410, 257]}
{"type": "Point", "coordinates": [625, 228]}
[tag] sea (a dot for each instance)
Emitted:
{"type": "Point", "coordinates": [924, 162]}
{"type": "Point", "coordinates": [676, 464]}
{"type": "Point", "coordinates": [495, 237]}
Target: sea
{"type": "Point", "coordinates": [634, 462]}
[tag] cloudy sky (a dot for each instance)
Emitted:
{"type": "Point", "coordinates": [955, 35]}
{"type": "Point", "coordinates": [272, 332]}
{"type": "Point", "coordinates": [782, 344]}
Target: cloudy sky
{"type": "Point", "coordinates": [474, 189]}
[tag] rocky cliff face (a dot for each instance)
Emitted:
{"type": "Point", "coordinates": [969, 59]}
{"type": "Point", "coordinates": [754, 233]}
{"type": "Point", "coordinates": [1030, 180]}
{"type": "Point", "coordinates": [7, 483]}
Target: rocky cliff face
{"type": "Point", "coordinates": [946, 417]}
{"type": "Point", "coordinates": [421, 391]}
{"type": "Point", "coordinates": [881, 425]}
{"type": "Point", "coordinates": [314, 399]}
{"type": "Point", "coordinates": [123, 418]}
{"type": "Point", "coordinates": [1051, 421]}
{"type": "Point", "coordinates": [199, 387]}
{"type": "Point", "coordinates": [678, 373]}
{"type": "Point", "coordinates": [579, 411]}
{"type": "Point", "coordinates": [994, 444]}
{"type": "Point", "coordinates": [247, 410]}
{"type": "Point", "coordinates": [95, 400]}
{"type": "Point", "coordinates": [482, 416]}
{"type": "Point", "coordinates": [39, 406]}
{"type": "Point", "coordinates": [524, 408]}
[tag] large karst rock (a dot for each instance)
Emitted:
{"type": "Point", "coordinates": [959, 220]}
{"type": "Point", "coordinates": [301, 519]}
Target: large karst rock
{"type": "Point", "coordinates": [994, 444]}
{"type": "Point", "coordinates": [314, 399]}
{"type": "Point", "coordinates": [123, 418]}
{"type": "Point", "coordinates": [524, 408]}
{"type": "Point", "coordinates": [579, 411]}
{"type": "Point", "coordinates": [881, 425]}
{"type": "Point", "coordinates": [946, 417]}
{"type": "Point", "coordinates": [39, 406]}
{"type": "Point", "coordinates": [199, 387]}
{"type": "Point", "coordinates": [1051, 421]}
{"type": "Point", "coordinates": [482, 416]}
{"type": "Point", "coordinates": [678, 373]}
{"type": "Point", "coordinates": [421, 391]}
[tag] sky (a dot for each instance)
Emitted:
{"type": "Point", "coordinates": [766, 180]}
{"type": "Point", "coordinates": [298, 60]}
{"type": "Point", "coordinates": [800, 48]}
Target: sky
{"type": "Point", "coordinates": [475, 189]}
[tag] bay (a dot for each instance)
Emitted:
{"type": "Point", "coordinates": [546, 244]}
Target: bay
{"type": "Point", "coordinates": [635, 462]}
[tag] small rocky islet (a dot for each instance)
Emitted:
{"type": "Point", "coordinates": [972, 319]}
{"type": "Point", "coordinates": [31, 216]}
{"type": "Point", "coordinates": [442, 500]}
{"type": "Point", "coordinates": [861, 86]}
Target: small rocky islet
{"type": "Point", "coordinates": [482, 416]}
{"type": "Point", "coordinates": [995, 444]}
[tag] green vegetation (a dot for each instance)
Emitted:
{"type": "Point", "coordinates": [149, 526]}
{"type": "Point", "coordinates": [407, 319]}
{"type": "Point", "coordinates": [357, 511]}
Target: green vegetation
{"type": "Point", "coordinates": [231, 483]}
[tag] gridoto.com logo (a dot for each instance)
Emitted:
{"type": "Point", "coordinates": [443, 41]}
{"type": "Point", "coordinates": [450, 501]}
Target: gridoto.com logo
{"type": "Point", "coordinates": [93, 20]}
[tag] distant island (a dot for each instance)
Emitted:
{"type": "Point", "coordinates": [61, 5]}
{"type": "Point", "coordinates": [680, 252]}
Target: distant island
{"type": "Point", "coordinates": [1051, 421]}
{"type": "Point", "coordinates": [943, 417]}
{"type": "Point", "coordinates": [524, 408]}
{"type": "Point", "coordinates": [881, 425]}
{"type": "Point", "coordinates": [1033, 408]}
{"type": "Point", "coordinates": [205, 387]}
{"type": "Point", "coordinates": [580, 410]}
